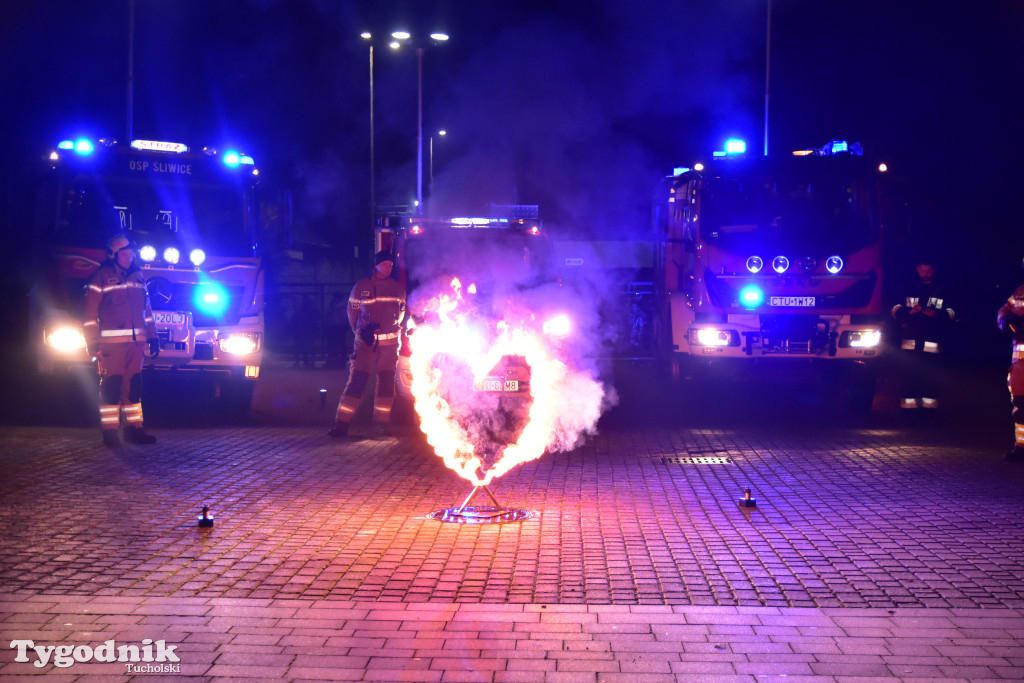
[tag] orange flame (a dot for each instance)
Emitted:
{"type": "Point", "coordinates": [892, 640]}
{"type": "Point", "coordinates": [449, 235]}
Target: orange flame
{"type": "Point", "coordinates": [564, 404]}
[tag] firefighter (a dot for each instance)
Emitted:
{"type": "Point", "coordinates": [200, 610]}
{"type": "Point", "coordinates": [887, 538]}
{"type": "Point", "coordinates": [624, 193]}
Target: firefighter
{"type": "Point", "coordinates": [925, 318]}
{"type": "Point", "coordinates": [375, 310]}
{"type": "Point", "coordinates": [1010, 319]}
{"type": "Point", "coordinates": [118, 326]}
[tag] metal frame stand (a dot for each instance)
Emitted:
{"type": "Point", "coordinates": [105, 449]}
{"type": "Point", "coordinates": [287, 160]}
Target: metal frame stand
{"type": "Point", "coordinates": [491, 514]}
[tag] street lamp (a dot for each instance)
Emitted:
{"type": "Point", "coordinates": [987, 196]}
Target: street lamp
{"type": "Point", "coordinates": [440, 133]}
{"type": "Point", "coordinates": [437, 37]}
{"type": "Point", "coordinates": [368, 37]}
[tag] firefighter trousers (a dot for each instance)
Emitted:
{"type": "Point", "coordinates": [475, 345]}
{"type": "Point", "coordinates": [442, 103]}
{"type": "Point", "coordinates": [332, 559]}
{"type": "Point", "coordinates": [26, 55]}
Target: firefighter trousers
{"type": "Point", "coordinates": [120, 367]}
{"type": "Point", "coordinates": [379, 356]}
{"type": "Point", "coordinates": [920, 371]}
{"type": "Point", "coordinates": [1015, 382]}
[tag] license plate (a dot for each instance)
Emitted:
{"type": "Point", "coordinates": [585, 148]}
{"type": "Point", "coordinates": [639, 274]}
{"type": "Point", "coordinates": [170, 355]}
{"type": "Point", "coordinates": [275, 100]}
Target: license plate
{"type": "Point", "coordinates": [798, 301]}
{"type": "Point", "coordinates": [164, 318]}
{"type": "Point", "coordinates": [496, 384]}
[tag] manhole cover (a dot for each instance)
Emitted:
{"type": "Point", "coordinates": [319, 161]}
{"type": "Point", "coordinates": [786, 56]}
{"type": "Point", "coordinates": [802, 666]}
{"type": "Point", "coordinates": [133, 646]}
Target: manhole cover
{"type": "Point", "coordinates": [480, 515]}
{"type": "Point", "coordinates": [707, 460]}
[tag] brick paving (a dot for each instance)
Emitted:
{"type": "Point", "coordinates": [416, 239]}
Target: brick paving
{"type": "Point", "coordinates": [873, 552]}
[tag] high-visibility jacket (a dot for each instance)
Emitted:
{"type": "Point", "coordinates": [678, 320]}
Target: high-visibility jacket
{"type": "Point", "coordinates": [117, 307]}
{"type": "Point", "coordinates": [921, 332]}
{"type": "Point", "coordinates": [377, 301]}
{"type": "Point", "coordinates": [1010, 317]}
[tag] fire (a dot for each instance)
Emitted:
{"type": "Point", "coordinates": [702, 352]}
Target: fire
{"type": "Point", "coordinates": [482, 423]}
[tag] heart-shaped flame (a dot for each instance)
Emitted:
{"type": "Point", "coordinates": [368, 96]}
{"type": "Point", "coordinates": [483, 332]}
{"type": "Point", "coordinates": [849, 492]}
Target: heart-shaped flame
{"type": "Point", "coordinates": [479, 435]}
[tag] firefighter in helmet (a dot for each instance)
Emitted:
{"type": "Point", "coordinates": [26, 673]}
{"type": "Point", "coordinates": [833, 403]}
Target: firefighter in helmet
{"type": "Point", "coordinates": [925, 318]}
{"type": "Point", "coordinates": [118, 327]}
{"type": "Point", "coordinates": [1010, 319]}
{"type": "Point", "coordinates": [376, 307]}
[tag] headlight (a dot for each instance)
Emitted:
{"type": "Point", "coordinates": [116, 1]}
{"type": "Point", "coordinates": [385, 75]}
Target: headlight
{"type": "Point", "coordinates": [861, 339]}
{"type": "Point", "coordinates": [65, 338]}
{"type": "Point", "coordinates": [147, 253]}
{"type": "Point", "coordinates": [197, 257]}
{"type": "Point", "coordinates": [559, 326]}
{"type": "Point", "coordinates": [780, 264]}
{"type": "Point", "coordinates": [755, 264]}
{"type": "Point", "coordinates": [241, 344]}
{"type": "Point", "coordinates": [834, 264]}
{"type": "Point", "coordinates": [711, 337]}
{"type": "Point", "coordinates": [171, 255]}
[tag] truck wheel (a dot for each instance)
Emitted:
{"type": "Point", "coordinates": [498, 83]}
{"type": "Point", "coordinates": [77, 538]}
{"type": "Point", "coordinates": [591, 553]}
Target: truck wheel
{"type": "Point", "coordinates": [236, 396]}
{"type": "Point", "coordinates": [860, 395]}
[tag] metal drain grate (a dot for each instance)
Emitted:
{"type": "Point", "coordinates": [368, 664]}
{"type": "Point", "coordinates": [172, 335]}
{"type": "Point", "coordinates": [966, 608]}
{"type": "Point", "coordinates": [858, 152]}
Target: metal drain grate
{"type": "Point", "coordinates": [699, 460]}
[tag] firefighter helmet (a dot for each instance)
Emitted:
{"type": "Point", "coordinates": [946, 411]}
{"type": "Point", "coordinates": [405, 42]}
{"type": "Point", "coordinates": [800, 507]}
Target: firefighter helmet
{"type": "Point", "coordinates": [117, 243]}
{"type": "Point", "coordinates": [383, 255]}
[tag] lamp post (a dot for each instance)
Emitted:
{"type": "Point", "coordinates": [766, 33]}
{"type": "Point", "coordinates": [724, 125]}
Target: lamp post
{"type": "Point", "coordinates": [437, 38]}
{"type": "Point", "coordinates": [373, 199]}
{"type": "Point", "coordinates": [440, 133]}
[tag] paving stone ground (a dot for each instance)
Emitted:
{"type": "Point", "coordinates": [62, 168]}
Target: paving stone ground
{"type": "Point", "coordinates": [876, 551]}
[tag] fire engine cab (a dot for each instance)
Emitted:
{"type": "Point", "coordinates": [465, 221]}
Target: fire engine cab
{"type": "Point", "coordinates": [774, 261]}
{"type": "Point", "coordinates": [193, 220]}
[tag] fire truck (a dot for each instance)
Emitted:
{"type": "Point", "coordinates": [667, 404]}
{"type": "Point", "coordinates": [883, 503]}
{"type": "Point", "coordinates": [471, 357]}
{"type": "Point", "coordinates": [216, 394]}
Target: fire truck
{"type": "Point", "coordinates": [493, 258]}
{"type": "Point", "coordinates": [775, 264]}
{"type": "Point", "coordinates": [192, 216]}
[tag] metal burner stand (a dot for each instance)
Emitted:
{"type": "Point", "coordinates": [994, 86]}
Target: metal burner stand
{"type": "Point", "coordinates": [489, 514]}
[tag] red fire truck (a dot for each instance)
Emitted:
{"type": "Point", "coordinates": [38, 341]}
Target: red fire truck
{"type": "Point", "coordinates": [492, 257]}
{"type": "Point", "coordinates": [775, 263]}
{"type": "Point", "coordinates": [193, 219]}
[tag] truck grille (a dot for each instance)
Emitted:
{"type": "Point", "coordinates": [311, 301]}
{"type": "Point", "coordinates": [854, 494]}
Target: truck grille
{"type": "Point", "coordinates": [177, 296]}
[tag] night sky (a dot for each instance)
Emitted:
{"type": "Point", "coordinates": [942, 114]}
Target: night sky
{"type": "Point", "coordinates": [579, 107]}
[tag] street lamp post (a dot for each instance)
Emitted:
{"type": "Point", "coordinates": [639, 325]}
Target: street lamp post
{"type": "Point", "coordinates": [441, 133]}
{"type": "Point", "coordinates": [419, 131]}
{"type": "Point", "coordinates": [373, 199]}
{"type": "Point", "coordinates": [437, 38]}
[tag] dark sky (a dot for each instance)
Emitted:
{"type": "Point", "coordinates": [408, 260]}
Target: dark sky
{"type": "Point", "coordinates": [579, 107]}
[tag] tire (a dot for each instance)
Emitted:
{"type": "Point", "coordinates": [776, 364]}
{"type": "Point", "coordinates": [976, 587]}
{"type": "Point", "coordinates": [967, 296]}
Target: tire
{"type": "Point", "coordinates": [236, 396]}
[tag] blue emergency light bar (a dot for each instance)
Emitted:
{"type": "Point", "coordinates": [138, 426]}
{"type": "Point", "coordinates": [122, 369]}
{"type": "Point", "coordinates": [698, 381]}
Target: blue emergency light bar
{"type": "Point", "coordinates": [81, 146]}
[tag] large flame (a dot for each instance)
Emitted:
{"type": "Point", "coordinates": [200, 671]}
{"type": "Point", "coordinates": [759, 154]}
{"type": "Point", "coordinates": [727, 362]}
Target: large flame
{"type": "Point", "coordinates": [455, 348]}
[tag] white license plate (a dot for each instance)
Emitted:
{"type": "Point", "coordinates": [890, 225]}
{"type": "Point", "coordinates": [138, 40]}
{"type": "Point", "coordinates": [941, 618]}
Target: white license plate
{"type": "Point", "coordinates": [166, 318]}
{"type": "Point", "coordinates": [798, 301]}
{"type": "Point", "coordinates": [496, 384]}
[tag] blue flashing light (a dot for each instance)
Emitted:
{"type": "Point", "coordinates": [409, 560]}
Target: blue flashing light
{"type": "Point", "coordinates": [680, 170]}
{"type": "Point", "coordinates": [65, 144]}
{"type": "Point", "coordinates": [735, 146]}
{"type": "Point", "coordinates": [840, 146]}
{"type": "Point", "coordinates": [84, 146]}
{"type": "Point", "coordinates": [232, 159]}
{"type": "Point", "coordinates": [751, 296]}
{"type": "Point", "coordinates": [211, 298]}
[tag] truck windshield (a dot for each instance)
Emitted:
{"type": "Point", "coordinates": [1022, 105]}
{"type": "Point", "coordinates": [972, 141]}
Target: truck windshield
{"type": "Point", "coordinates": [817, 207]}
{"type": "Point", "coordinates": [190, 214]}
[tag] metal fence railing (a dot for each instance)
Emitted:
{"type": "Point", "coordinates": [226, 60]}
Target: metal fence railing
{"type": "Point", "coordinates": [308, 322]}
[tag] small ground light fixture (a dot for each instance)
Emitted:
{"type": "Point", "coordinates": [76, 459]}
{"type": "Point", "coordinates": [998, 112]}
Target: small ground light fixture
{"type": "Point", "coordinates": [323, 398]}
{"type": "Point", "coordinates": [746, 501]}
{"type": "Point", "coordinates": [206, 517]}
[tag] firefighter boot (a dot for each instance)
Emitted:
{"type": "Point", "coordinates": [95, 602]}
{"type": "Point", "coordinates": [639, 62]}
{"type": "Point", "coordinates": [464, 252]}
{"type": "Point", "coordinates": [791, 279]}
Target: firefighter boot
{"type": "Point", "coordinates": [135, 434]}
{"type": "Point", "coordinates": [111, 439]}
{"type": "Point", "coordinates": [339, 429]}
